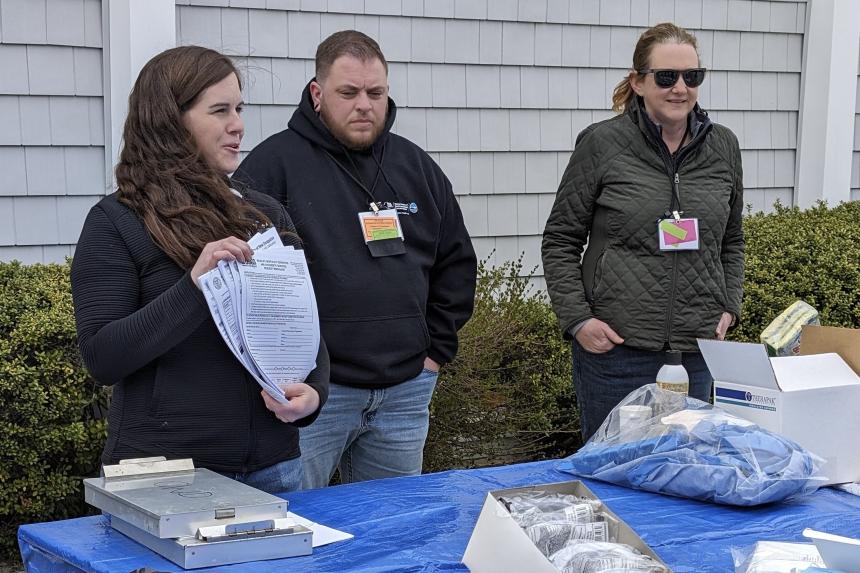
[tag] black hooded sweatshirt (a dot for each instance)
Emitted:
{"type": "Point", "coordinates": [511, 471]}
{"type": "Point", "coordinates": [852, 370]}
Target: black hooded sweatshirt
{"type": "Point", "coordinates": [380, 316]}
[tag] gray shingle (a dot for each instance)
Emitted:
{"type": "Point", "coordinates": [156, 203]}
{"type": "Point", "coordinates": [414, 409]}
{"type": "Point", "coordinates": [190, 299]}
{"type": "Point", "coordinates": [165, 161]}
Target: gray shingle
{"type": "Point", "coordinates": [462, 43]}
{"type": "Point", "coordinates": [688, 13]}
{"type": "Point", "coordinates": [65, 22]}
{"type": "Point", "coordinates": [771, 196]}
{"type": "Point", "coordinates": [10, 119]}
{"type": "Point", "coordinates": [72, 211]}
{"type": "Point", "coordinates": [525, 129]}
{"type": "Point", "coordinates": [614, 12]}
{"type": "Point", "coordinates": [442, 134]}
{"type": "Point", "coordinates": [288, 80]}
{"type": "Point", "coordinates": [502, 9]}
{"type": "Point", "coordinates": [253, 127]}
{"type": "Point", "coordinates": [331, 23]}
{"type": "Point", "coordinates": [507, 249]}
{"type": "Point", "coordinates": [274, 118]}
{"type": "Point", "coordinates": [35, 220]}
{"type": "Point", "coordinates": [481, 179]}
{"type": "Point", "coordinates": [495, 130]}
{"type": "Point", "coordinates": [592, 89]}
{"type": "Point", "coordinates": [757, 130]}
{"type": "Point", "coordinates": [639, 14]}
{"type": "Point", "coordinates": [509, 77]}
{"type": "Point", "coordinates": [752, 51]}
{"type": "Point", "coordinates": [7, 222]}
{"type": "Point", "coordinates": [93, 23]}
{"type": "Point", "coordinates": [13, 62]}
{"type": "Point", "coordinates": [97, 121]}
{"type": "Point", "coordinates": [346, 6]}
{"type": "Point", "coordinates": [46, 171]}
{"type": "Point", "coordinates": [509, 173]}
{"type": "Point", "coordinates": [794, 53]}
{"type": "Point", "coordinates": [775, 53]}
{"type": "Point", "coordinates": [246, 3]}
{"type": "Point", "coordinates": [518, 43]}
{"type": "Point", "coordinates": [267, 32]}
{"type": "Point", "coordinates": [26, 255]}
{"type": "Point", "coordinates": [398, 84]}
{"type": "Point", "coordinates": [528, 219]}
{"type": "Point", "coordinates": [764, 91]}
{"type": "Point", "coordinates": [547, 45]}
{"type": "Point", "coordinates": [470, 9]}
{"type": "Point", "coordinates": [779, 130]}
{"type": "Point", "coordinates": [469, 124]}
{"type": "Point", "coordinates": [558, 11]}
{"type": "Point", "coordinates": [586, 11]}
{"type": "Point", "coordinates": [56, 253]}
{"type": "Point", "coordinates": [541, 172]}
{"type": "Point", "coordinates": [259, 82]}
{"type": "Point", "coordinates": [490, 42]}
{"type": "Point", "coordinates": [740, 15]}
{"type": "Point", "coordinates": [303, 34]}
{"type": "Point", "coordinates": [726, 55]}
{"type": "Point", "coordinates": [51, 70]}
{"type": "Point", "coordinates": [85, 171]}
{"type": "Point", "coordinates": [199, 25]}
{"type": "Point", "coordinates": [502, 220]}
{"type": "Point", "coordinates": [599, 46]}
{"type": "Point", "coordinates": [760, 17]}
{"type": "Point", "coordinates": [420, 79]}
{"type": "Point", "coordinates": [23, 21]}
{"type": "Point", "coordinates": [88, 71]}
{"type": "Point", "coordinates": [439, 8]}
{"type": "Point", "coordinates": [13, 172]}
{"type": "Point", "coordinates": [749, 160]}
{"type": "Point", "coordinates": [575, 46]}
{"type": "Point", "coordinates": [532, 11]}
{"type": "Point", "coordinates": [719, 90]}
{"type": "Point", "coordinates": [428, 40]}
{"type": "Point", "coordinates": [765, 168]}
{"type": "Point", "coordinates": [661, 11]}
{"type": "Point", "coordinates": [783, 168]}
{"type": "Point", "coordinates": [289, 4]}
{"type": "Point", "coordinates": [555, 132]}
{"type": "Point", "coordinates": [456, 168]}
{"type": "Point", "coordinates": [622, 43]}
{"type": "Point", "coordinates": [235, 38]}
{"type": "Point", "coordinates": [534, 89]}
{"type": "Point", "coordinates": [385, 7]}
{"type": "Point", "coordinates": [801, 19]}
{"type": "Point", "coordinates": [483, 87]}
{"type": "Point", "coordinates": [35, 120]}
{"type": "Point", "coordinates": [783, 17]}
{"type": "Point", "coordinates": [70, 121]}
{"type": "Point", "coordinates": [474, 210]}
{"type": "Point", "coordinates": [563, 88]}
{"type": "Point", "coordinates": [579, 120]}
{"type": "Point", "coordinates": [412, 124]}
{"type": "Point", "coordinates": [715, 14]}
{"type": "Point", "coordinates": [740, 90]}
{"type": "Point", "coordinates": [395, 38]}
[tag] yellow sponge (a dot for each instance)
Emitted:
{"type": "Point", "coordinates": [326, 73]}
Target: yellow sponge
{"type": "Point", "coordinates": [782, 336]}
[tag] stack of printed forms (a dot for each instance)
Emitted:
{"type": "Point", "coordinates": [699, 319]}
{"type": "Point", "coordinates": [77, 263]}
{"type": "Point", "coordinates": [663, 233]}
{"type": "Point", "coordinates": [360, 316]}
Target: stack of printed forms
{"type": "Point", "coordinates": [266, 312]}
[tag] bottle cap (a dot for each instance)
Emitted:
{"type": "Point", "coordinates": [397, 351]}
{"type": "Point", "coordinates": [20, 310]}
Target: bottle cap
{"type": "Point", "coordinates": [673, 357]}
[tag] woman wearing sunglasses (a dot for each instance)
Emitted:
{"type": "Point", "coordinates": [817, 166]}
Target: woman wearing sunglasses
{"type": "Point", "coordinates": [143, 323]}
{"type": "Point", "coordinates": [656, 193]}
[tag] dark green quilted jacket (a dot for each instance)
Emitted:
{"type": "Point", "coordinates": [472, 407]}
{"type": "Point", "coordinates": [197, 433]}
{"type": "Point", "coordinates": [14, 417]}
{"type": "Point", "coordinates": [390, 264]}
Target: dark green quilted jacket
{"type": "Point", "coordinates": [618, 183]}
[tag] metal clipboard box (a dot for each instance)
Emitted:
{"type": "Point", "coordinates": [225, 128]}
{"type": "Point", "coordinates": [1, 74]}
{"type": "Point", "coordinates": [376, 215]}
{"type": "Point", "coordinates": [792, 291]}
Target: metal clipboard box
{"type": "Point", "coordinates": [193, 516]}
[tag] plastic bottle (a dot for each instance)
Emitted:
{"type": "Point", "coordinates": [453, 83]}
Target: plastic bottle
{"type": "Point", "coordinates": [672, 375]}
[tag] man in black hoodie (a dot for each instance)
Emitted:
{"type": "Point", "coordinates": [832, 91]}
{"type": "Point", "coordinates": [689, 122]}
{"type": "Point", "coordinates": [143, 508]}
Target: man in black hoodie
{"type": "Point", "coordinates": [391, 261]}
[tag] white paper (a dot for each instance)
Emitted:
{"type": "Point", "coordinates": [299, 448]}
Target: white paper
{"type": "Point", "coordinates": [322, 535]}
{"type": "Point", "coordinates": [265, 310]}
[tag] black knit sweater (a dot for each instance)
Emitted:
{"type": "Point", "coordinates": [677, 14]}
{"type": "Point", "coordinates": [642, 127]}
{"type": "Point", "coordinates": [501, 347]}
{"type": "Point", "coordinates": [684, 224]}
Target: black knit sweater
{"type": "Point", "coordinates": [145, 328]}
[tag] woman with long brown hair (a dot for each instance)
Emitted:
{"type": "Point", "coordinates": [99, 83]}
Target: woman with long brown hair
{"type": "Point", "coordinates": [144, 326]}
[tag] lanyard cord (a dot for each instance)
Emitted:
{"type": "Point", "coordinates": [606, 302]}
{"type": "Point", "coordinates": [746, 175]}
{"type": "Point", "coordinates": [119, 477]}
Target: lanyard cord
{"type": "Point", "coordinates": [384, 174]}
{"type": "Point", "coordinates": [356, 180]}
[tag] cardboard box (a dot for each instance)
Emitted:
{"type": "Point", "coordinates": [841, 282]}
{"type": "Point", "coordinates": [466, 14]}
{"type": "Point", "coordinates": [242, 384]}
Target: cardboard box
{"type": "Point", "coordinates": [843, 341]}
{"type": "Point", "coordinates": [812, 399]}
{"type": "Point", "coordinates": [839, 553]}
{"type": "Point", "coordinates": [499, 545]}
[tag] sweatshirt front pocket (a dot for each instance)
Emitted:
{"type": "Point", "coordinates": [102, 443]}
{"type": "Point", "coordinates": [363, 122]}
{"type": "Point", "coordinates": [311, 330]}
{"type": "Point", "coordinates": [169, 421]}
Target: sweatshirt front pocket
{"type": "Point", "coordinates": [370, 346]}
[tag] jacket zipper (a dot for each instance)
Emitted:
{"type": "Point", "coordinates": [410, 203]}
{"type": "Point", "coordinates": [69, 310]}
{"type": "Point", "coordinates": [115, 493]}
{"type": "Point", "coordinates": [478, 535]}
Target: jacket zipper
{"type": "Point", "coordinates": [671, 312]}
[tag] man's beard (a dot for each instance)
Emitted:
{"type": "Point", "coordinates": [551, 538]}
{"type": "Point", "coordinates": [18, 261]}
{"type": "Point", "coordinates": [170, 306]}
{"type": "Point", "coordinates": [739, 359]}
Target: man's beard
{"type": "Point", "coordinates": [346, 138]}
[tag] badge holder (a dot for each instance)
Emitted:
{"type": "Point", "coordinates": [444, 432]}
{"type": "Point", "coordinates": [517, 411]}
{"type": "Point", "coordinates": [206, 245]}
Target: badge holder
{"type": "Point", "coordinates": [382, 232]}
{"type": "Point", "coordinates": [678, 234]}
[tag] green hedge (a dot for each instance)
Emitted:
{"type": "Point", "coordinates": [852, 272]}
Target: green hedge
{"type": "Point", "coordinates": [49, 440]}
{"type": "Point", "coordinates": [506, 397]}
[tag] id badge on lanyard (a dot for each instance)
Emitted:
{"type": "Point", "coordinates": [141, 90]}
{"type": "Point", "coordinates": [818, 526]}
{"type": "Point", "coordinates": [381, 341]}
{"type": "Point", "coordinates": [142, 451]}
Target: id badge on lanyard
{"type": "Point", "coordinates": [382, 232]}
{"type": "Point", "coordinates": [677, 234]}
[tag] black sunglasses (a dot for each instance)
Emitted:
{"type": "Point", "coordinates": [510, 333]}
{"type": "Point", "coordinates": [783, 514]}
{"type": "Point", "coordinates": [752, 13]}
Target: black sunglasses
{"type": "Point", "coordinates": [668, 78]}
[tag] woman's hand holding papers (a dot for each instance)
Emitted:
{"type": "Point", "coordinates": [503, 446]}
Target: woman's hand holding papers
{"type": "Point", "coordinates": [303, 400]}
{"type": "Point", "coordinates": [229, 249]}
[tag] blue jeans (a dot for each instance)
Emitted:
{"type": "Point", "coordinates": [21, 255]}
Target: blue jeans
{"type": "Point", "coordinates": [368, 433]}
{"type": "Point", "coordinates": [601, 381]}
{"type": "Point", "coordinates": [278, 478]}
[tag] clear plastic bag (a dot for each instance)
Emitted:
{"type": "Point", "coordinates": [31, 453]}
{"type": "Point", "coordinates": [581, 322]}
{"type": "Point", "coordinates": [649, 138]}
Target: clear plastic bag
{"type": "Point", "coordinates": [688, 448]}
{"type": "Point", "coordinates": [776, 557]}
{"type": "Point", "coordinates": [597, 557]}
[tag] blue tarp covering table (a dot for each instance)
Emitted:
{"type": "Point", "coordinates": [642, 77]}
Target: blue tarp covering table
{"type": "Point", "coordinates": [422, 524]}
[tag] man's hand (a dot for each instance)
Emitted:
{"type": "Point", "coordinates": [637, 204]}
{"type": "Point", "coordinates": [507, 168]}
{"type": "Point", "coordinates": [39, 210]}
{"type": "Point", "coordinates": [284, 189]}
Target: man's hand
{"type": "Point", "coordinates": [304, 400]}
{"type": "Point", "coordinates": [723, 325]}
{"type": "Point", "coordinates": [431, 365]}
{"type": "Point", "coordinates": [597, 337]}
